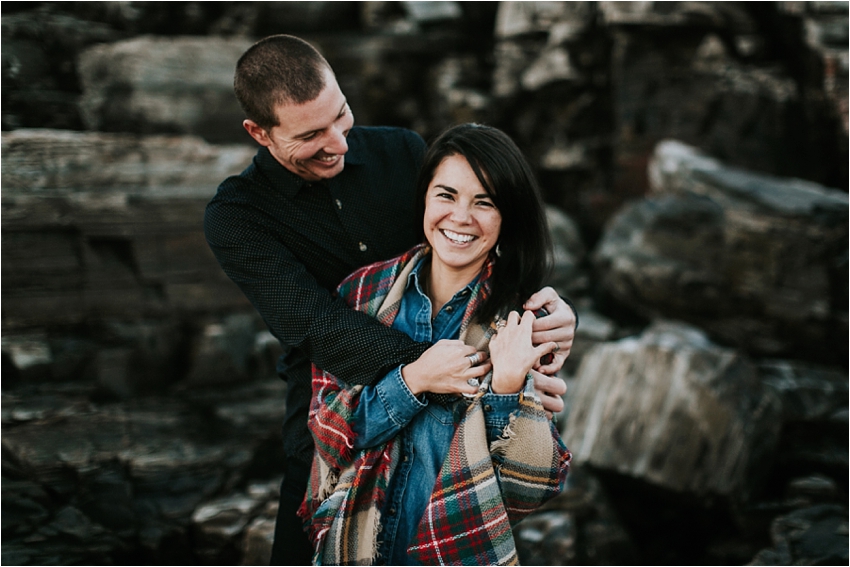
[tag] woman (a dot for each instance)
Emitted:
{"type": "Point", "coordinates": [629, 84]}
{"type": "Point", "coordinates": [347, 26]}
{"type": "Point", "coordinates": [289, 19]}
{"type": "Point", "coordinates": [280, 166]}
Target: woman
{"type": "Point", "coordinates": [407, 471]}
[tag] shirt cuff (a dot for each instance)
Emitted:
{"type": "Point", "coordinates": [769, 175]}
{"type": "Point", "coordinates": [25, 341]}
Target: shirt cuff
{"type": "Point", "coordinates": [399, 402]}
{"type": "Point", "coordinates": [498, 408]}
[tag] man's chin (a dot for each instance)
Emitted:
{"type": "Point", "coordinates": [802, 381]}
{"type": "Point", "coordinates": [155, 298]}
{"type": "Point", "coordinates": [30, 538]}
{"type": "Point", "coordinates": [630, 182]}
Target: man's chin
{"type": "Point", "coordinates": [324, 172]}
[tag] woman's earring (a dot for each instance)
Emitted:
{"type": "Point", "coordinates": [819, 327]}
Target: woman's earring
{"type": "Point", "coordinates": [498, 250]}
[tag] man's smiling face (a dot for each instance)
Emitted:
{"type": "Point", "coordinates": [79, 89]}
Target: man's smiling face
{"type": "Point", "coordinates": [310, 138]}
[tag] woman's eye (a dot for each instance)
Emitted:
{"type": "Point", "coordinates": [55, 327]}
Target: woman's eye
{"type": "Point", "coordinates": [445, 196]}
{"type": "Point", "coordinates": [486, 204]}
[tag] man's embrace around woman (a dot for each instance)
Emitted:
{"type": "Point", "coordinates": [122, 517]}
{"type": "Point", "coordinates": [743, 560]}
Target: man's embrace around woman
{"type": "Point", "coordinates": [427, 466]}
{"type": "Point", "coordinates": [322, 198]}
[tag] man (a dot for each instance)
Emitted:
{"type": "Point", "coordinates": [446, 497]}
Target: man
{"type": "Point", "coordinates": [321, 199]}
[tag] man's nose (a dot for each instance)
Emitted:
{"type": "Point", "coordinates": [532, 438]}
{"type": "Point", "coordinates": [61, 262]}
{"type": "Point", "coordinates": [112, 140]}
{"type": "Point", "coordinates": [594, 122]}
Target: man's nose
{"type": "Point", "coordinates": [336, 143]}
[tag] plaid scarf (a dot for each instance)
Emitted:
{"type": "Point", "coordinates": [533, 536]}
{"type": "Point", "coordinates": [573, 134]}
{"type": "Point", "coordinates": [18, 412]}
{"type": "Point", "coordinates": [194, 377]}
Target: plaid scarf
{"type": "Point", "coordinates": [480, 492]}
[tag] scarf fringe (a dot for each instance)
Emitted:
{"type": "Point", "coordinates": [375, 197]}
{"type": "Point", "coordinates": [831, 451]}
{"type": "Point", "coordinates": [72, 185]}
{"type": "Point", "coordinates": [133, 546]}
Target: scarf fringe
{"type": "Point", "coordinates": [328, 485]}
{"type": "Point", "coordinates": [500, 445]}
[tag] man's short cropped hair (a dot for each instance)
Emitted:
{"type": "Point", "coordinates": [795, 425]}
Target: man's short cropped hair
{"type": "Point", "coordinates": [280, 69]}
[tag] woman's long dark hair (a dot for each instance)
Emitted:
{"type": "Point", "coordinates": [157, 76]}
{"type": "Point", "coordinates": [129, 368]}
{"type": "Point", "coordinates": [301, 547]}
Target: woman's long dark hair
{"type": "Point", "coordinates": [524, 245]}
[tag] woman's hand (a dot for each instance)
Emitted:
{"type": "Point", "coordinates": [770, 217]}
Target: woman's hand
{"type": "Point", "coordinates": [445, 368]}
{"type": "Point", "coordinates": [513, 355]}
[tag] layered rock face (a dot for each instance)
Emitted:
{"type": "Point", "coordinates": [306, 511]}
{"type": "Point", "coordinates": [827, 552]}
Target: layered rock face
{"type": "Point", "coordinates": [693, 156]}
{"type": "Point", "coordinates": [756, 260]}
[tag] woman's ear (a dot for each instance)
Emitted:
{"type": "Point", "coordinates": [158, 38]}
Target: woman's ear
{"type": "Point", "coordinates": [257, 132]}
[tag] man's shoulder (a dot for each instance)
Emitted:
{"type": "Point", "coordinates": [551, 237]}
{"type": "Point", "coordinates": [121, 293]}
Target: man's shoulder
{"type": "Point", "coordinates": [367, 142]}
{"type": "Point", "coordinates": [378, 134]}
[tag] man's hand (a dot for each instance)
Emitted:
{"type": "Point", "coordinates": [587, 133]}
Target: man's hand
{"type": "Point", "coordinates": [550, 391]}
{"type": "Point", "coordinates": [558, 326]}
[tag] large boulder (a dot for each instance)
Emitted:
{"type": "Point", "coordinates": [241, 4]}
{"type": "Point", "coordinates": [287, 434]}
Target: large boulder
{"type": "Point", "coordinates": [675, 411]}
{"type": "Point", "coordinates": [703, 72]}
{"type": "Point", "coordinates": [181, 85]}
{"type": "Point", "coordinates": [99, 226]}
{"type": "Point", "coordinates": [757, 261]}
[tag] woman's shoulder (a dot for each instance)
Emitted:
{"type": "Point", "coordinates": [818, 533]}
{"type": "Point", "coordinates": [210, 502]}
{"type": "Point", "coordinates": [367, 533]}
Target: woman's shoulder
{"type": "Point", "coordinates": [369, 277]}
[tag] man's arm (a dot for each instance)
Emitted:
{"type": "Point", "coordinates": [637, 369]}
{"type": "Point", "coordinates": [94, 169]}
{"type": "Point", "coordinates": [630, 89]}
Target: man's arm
{"type": "Point", "coordinates": [297, 310]}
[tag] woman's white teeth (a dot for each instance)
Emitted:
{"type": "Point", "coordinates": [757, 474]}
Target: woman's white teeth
{"type": "Point", "coordinates": [455, 237]}
{"type": "Point", "coordinates": [327, 159]}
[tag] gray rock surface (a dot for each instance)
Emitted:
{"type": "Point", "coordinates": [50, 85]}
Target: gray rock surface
{"type": "Point", "coordinates": [811, 536]}
{"type": "Point", "coordinates": [673, 410]}
{"type": "Point", "coordinates": [151, 480]}
{"type": "Point", "coordinates": [100, 226]}
{"type": "Point", "coordinates": [182, 85]}
{"type": "Point", "coordinates": [753, 259]}
{"type": "Point", "coordinates": [578, 527]}
{"type": "Point", "coordinates": [569, 276]}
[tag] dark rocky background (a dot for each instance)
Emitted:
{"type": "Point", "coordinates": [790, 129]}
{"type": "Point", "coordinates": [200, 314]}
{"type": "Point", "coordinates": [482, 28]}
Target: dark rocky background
{"type": "Point", "coordinates": [693, 154]}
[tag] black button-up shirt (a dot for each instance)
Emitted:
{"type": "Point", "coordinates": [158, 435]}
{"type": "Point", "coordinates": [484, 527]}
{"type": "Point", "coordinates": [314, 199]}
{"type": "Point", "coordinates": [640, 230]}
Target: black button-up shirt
{"type": "Point", "coordinates": [287, 243]}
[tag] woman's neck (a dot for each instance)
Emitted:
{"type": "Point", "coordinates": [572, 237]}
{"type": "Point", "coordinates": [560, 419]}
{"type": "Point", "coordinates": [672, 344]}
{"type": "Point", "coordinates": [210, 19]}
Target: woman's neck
{"type": "Point", "coordinates": [443, 282]}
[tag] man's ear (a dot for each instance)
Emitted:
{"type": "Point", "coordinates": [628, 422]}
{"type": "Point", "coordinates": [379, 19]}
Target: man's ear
{"type": "Point", "coordinates": [258, 133]}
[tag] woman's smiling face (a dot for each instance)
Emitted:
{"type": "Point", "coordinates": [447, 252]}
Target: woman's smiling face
{"type": "Point", "coordinates": [461, 222]}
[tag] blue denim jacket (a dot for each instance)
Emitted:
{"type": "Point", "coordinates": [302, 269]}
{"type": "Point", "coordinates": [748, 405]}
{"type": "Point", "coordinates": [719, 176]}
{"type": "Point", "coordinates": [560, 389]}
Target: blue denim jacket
{"type": "Point", "coordinates": [388, 409]}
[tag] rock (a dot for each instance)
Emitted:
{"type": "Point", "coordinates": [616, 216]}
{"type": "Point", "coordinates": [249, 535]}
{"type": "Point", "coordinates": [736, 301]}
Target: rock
{"type": "Point", "coordinates": [259, 539]}
{"type": "Point", "coordinates": [95, 483]}
{"type": "Point", "coordinates": [524, 62]}
{"type": "Point", "coordinates": [593, 329]}
{"type": "Point", "coordinates": [456, 94]}
{"type": "Point", "coordinates": [742, 112]}
{"type": "Point", "coordinates": [547, 538]}
{"type": "Point", "coordinates": [578, 527]}
{"type": "Point", "coordinates": [812, 536]}
{"type": "Point", "coordinates": [150, 357]}
{"type": "Point", "coordinates": [814, 429]}
{"type": "Point", "coordinates": [675, 14]}
{"type": "Point", "coordinates": [752, 259]}
{"type": "Point", "coordinates": [518, 19]}
{"type": "Point", "coordinates": [568, 275]}
{"type": "Point", "coordinates": [181, 85]}
{"type": "Point", "coordinates": [100, 226]}
{"type": "Point", "coordinates": [675, 411]}
{"type": "Point", "coordinates": [826, 31]}
{"type": "Point", "coordinates": [431, 12]}
{"type": "Point", "coordinates": [36, 161]}
{"type": "Point", "coordinates": [813, 489]}
{"type": "Point", "coordinates": [39, 78]}
{"type": "Point", "coordinates": [224, 351]}
{"type": "Point", "coordinates": [219, 523]}
{"type": "Point", "coordinates": [808, 392]}
{"type": "Point", "coordinates": [30, 356]}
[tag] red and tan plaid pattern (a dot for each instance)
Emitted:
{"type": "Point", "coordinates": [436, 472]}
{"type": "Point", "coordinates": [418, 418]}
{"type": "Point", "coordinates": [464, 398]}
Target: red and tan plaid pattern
{"type": "Point", "coordinates": [466, 521]}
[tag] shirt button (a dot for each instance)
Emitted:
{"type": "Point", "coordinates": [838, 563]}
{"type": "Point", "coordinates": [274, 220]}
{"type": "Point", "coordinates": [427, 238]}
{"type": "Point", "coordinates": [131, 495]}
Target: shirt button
{"type": "Point", "coordinates": [363, 247]}
{"type": "Point", "coordinates": [392, 511]}
{"type": "Point", "coordinates": [449, 309]}
{"type": "Point", "coordinates": [338, 204]}
{"type": "Point", "coordinates": [488, 407]}
{"type": "Point", "coordinates": [406, 458]}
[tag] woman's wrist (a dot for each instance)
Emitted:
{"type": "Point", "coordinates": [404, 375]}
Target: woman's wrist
{"type": "Point", "coordinates": [411, 377]}
{"type": "Point", "coordinates": [507, 382]}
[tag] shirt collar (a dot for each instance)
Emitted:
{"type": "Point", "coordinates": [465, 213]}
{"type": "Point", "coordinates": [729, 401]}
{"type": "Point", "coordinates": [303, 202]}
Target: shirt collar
{"type": "Point", "coordinates": [414, 280]}
{"type": "Point", "coordinates": [290, 183]}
